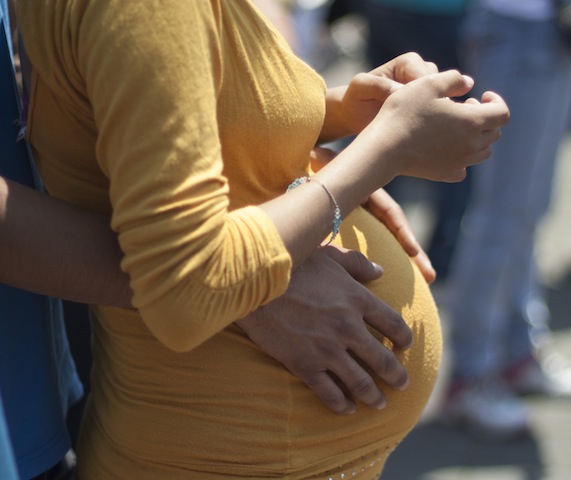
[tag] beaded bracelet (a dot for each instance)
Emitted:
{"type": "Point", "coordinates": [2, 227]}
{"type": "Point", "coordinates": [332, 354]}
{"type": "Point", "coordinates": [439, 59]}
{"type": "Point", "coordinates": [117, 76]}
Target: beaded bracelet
{"type": "Point", "coordinates": [336, 212]}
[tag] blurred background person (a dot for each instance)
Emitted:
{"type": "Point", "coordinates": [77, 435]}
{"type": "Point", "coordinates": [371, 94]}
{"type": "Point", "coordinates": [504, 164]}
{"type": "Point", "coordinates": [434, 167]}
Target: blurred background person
{"type": "Point", "coordinates": [497, 313]}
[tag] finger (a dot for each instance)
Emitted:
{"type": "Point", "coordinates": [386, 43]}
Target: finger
{"type": "Point", "coordinates": [492, 97]}
{"type": "Point", "coordinates": [410, 66]}
{"type": "Point", "coordinates": [460, 174]}
{"type": "Point", "coordinates": [497, 113]}
{"type": "Point", "coordinates": [413, 70]}
{"type": "Point", "coordinates": [382, 361]}
{"type": "Point", "coordinates": [481, 156]}
{"type": "Point", "coordinates": [491, 136]}
{"type": "Point", "coordinates": [386, 321]}
{"type": "Point", "coordinates": [359, 383]}
{"type": "Point", "coordinates": [425, 266]}
{"type": "Point", "coordinates": [388, 211]}
{"type": "Point", "coordinates": [329, 393]}
{"type": "Point", "coordinates": [451, 83]}
{"type": "Point", "coordinates": [374, 87]}
{"type": "Point", "coordinates": [355, 263]}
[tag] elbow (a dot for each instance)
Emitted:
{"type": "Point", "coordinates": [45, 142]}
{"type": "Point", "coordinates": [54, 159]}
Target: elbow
{"type": "Point", "coordinates": [179, 333]}
{"type": "Point", "coordinates": [183, 319]}
{"type": "Point", "coordinates": [179, 340]}
{"type": "Point", "coordinates": [182, 326]}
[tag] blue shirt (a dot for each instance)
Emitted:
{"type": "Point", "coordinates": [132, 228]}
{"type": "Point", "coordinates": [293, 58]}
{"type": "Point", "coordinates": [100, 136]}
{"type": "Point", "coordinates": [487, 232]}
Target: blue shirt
{"type": "Point", "coordinates": [38, 380]}
{"type": "Point", "coordinates": [7, 463]}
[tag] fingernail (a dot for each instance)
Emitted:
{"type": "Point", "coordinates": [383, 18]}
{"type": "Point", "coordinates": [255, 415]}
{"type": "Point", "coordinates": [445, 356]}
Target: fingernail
{"type": "Point", "coordinates": [469, 80]}
{"type": "Point", "coordinates": [404, 386]}
{"type": "Point", "coordinates": [381, 405]}
{"type": "Point", "coordinates": [378, 268]}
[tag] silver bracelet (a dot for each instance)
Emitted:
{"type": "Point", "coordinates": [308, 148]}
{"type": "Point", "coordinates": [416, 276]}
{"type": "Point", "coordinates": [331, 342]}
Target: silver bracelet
{"type": "Point", "coordinates": [336, 211]}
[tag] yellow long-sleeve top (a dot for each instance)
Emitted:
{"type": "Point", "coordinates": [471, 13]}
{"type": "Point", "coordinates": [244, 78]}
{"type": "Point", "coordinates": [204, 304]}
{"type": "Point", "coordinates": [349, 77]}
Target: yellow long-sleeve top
{"type": "Point", "coordinates": [140, 114]}
{"type": "Point", "coordinates": [178, 117]}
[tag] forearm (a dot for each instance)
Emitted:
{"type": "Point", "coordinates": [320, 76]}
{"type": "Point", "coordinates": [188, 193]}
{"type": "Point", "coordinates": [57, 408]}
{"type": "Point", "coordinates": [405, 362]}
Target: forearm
{"type": "Point", "coordinates": [52, 248]}
{"type": "Point", "coordinates": [304, 216]}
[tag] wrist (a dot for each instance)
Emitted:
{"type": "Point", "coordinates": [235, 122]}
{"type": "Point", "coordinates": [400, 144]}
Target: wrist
{"type": "Point", "coordinates": [377, 153]}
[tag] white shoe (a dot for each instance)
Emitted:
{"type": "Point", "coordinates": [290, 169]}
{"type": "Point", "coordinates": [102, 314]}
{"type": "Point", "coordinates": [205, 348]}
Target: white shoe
{"type": "Point", "coordinates": [549, 376]}
{"type": "Point", "coordinates": [487, 410]}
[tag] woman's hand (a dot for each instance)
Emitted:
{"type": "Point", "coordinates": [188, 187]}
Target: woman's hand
{"type": "Point", "coordinates": [427, 134]}
{"type": "Point", "coordinates": [352, 107]}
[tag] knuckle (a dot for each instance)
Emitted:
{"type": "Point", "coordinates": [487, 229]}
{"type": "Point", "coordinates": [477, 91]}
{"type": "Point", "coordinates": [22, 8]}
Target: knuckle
{"type": "Point", "coordinates": [432, 67]}
{"type": "Point", "coordinates": [393, 372]}
{"type": "Point", "coordinates": [388, 363]}
{"type": "Point", "coordinates": [402, 336]}
{"type": "Point", "coordinates": [486, 153]}
{"type": "Point", "coordinates": [363, 386]}
{"type": "Point", "coordinates": [358, 260]}
{"type": "Point", "coordinates": [301, 368]}
{"type": "Point", "coordinates": [334, 398]}
{"type": "Point", "coordinates": [397, 327]}
{"type": "Point", "coordinates": [411, 56]}
{"type": "Point", "coordinates": [330, 395]}
{"type": "Point", "coordinates": [505, 117]}
{"type": "Point", "coordinates": [460, 175]}
{"type": "Point", "coordinates": [347, 329]}
{"type": "Point", "coordinates": [336, 401]}
{"type": "Point", "coordinates": [361, 78]}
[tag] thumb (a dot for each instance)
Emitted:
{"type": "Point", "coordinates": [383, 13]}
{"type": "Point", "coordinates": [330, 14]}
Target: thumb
{"type": "Point", "coordinates": [354, 263]}
{"type": "Point", "coordinates": [452, 83]}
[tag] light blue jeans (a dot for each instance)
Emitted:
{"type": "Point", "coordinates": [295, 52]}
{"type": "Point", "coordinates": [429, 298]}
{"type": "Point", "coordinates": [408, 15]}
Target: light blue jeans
{"type": "Point", "coordinates": [493, 275]}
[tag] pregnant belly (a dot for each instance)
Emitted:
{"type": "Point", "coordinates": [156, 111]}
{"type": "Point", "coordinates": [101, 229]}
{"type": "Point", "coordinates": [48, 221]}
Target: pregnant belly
{"type": "Point", "coordinates": [228, 409]}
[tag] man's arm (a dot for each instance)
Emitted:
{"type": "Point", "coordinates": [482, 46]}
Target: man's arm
{"type": "Point", "coordinates": [52, 248]}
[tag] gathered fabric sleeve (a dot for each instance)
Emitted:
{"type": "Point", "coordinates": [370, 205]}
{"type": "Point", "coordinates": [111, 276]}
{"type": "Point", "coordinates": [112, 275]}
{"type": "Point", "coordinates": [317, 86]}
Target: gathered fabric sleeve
{"type": "Point", "coordinates": [152, 77]}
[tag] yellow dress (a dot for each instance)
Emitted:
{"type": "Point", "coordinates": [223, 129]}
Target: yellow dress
{"type": "Point", "coordinates": [179, 117]}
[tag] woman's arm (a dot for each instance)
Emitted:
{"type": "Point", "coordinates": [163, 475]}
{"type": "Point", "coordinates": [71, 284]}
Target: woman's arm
{"type": "Point", "coordinates": [52, 248]}
{"type": "Point", "coordinates": [419, 132]}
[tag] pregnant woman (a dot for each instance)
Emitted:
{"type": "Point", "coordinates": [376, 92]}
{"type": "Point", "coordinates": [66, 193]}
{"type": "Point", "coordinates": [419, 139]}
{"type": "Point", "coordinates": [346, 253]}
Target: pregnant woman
{"type": "Point", "coordinates": [187, 121]}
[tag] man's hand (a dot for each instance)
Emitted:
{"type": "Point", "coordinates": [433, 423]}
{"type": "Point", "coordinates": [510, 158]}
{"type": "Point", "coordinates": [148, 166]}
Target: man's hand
{"type": "Point", "coordinates": [385, 209]}
{"type": "Point", "coordinates": [318, 330]}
